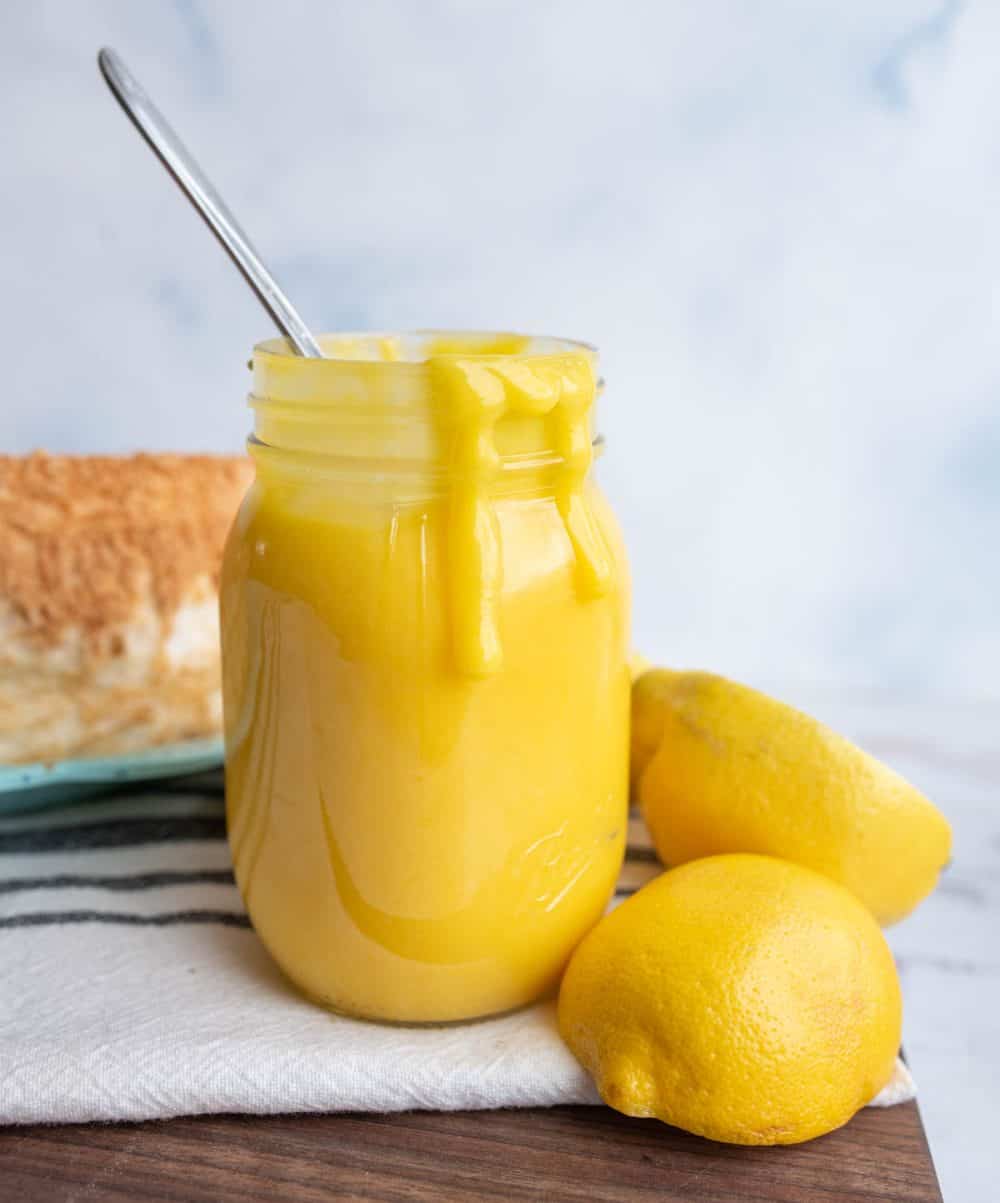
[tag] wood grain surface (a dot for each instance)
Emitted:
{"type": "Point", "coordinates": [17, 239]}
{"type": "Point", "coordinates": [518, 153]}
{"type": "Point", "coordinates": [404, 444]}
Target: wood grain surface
{"type": "Point", "coordinates": [561, 1155]}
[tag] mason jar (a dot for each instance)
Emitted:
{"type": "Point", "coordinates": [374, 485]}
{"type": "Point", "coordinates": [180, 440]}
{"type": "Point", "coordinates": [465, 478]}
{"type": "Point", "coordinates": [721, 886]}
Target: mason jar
{"type": "Point", "coordinates": [425, 612]}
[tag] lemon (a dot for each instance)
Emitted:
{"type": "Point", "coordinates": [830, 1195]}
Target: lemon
{"type": "Point", "coordinates": [637, 664]}
{"type": "Point", "coordinates": [741, 997]}
{"type": "Point", "coordinates": [719, 767]}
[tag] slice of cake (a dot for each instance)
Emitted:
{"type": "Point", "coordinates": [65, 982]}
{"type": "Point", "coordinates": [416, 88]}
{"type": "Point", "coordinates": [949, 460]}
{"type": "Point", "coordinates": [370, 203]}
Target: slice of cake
{"type": "Point", "coordinates": [109, 627]}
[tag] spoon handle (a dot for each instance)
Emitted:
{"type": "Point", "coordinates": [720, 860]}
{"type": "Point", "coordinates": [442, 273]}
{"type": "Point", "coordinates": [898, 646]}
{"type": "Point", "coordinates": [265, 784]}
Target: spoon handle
{"type": "Point", "coordinates": [196, 186]}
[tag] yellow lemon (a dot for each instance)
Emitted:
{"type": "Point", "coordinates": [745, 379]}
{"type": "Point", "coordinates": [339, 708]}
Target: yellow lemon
{"type": "Point", "coordinates": [719, 767]}
{"type": "Point", "coordinates": [637, 664]}
{"type": "Point", "coordinates": [743, 998]}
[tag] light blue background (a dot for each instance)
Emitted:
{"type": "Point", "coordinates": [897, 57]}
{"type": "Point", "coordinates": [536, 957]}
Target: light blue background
{"type": "Point", "coordinates": [780, 222]}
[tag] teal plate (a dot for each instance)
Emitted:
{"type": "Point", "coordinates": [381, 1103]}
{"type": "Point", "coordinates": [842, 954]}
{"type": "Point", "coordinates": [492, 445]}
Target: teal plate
{"type": "Point", "coordinates": [36, 786]}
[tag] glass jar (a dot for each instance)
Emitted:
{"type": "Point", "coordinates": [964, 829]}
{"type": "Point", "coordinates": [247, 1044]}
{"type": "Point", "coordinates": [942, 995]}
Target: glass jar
{"type": "Point", "coordinates": [425, 607]}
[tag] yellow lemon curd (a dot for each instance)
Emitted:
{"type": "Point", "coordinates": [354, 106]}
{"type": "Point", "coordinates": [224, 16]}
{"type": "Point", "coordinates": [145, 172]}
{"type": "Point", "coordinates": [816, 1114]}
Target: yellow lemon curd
{"type": "Point", "coordinates": [426, 682]}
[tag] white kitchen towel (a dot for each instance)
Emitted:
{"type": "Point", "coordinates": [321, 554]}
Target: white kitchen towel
{"type": "Point", "coordinates": [132, 987]}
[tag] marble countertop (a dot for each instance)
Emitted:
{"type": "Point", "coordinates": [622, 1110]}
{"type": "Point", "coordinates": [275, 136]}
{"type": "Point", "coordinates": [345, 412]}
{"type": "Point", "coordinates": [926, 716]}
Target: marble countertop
{"type": "Point", "coordinates": [947, 951]}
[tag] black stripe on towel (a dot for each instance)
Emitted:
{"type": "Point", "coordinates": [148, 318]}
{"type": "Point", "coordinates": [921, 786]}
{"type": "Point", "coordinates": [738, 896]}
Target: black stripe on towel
{"type": "Point", "coordinates": [58, 918]}
{"type": "Point", "coordinates": [646, 855]}
{"type": "Point", "coordinates": [115, 833]}
{"type": "Point", "coordinates": [130, 881]}
{"type": "Point", "coordinates": [197, 788]}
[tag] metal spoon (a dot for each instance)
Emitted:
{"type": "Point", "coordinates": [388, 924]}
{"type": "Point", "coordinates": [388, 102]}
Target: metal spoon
{"type": "Point", "coordinates": [195, 184]}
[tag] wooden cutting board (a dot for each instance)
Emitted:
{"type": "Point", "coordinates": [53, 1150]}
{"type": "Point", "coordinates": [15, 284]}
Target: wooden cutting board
{"type": "Point", "coordinates": [558, 1155]}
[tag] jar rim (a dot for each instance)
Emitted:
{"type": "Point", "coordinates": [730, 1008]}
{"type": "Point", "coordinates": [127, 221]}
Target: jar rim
{"type": "Point", "coordinates": [380, 398]}
{"type": "Point", "coordinates": [351, 348]}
